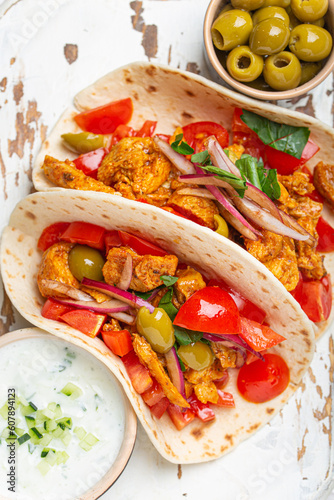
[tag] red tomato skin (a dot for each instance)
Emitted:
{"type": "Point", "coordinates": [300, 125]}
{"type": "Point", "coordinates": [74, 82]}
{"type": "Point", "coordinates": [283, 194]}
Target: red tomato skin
{"type": "Point", "coordinates": [286, 164]}
{"type": "Point", "coordinates": [53, 309]}
{"type": "Point", "coordinates": [195, 134]}
{"type": "Point", "coordinates": [260, 381]}
{"type": "Point", "coordinates": [139, 245]}
{"type": "Point", "coordinates": [111, 239]}
{"type": "Point", "coordinates": [297, 292]}
{"type": "Point", "coordinates": [225, 399]}
{"type": "Point", "coordinates": [105, 119]}
{"type": "Point", "coordinates": [201, 410]}
{"type": "Point", "coordinates": [174, 212]}
{"type": "Point", "coordinates": [222, 382]}
{"type": "Point", "coordinates": [121, 132]}
{"type": "Point", "coordinates": [179, 416]}
{"type": "Point", "coordinates": [259, 337]}
{"type": "Point", "coordinates": [85, 234]}
{"type": "Point", "coordinates": [210, 310]}
{"type": "Point", "coordinates": [90, 162]}
{"type": "Point", "coordinates": [147, 130]}
{"type": "Point", "coordinates": [51, 235]}
{"type": "Point", "coordinates": [85, 321]}
{"type": "Point", "coordinates": [315, 195]}
{"type": "Point", "coordinates": [316, 299]}
{"type": "Point", "coordinates": [159, 408]}
{"type": "Point", "coordinates": [139, 375]}
{"type": "Point", "coordinates": [326, 236]}
{"type": "Point", "coordinates": [164, 137]}
{"type": "Point", "coordinates": [118, 341]}
{"type": "Point", "coordinates": [246, 307]}
{"type": "Point", "coordinates": [154, 394]}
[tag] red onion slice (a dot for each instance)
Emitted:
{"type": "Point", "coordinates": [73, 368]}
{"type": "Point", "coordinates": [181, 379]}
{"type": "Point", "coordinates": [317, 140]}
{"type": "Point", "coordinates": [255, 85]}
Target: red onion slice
{"type": "Point", "coordinates": [109, 306]}
{"type": "Point", "coordinates": [124, 317]}
{"type": "Point", "coordinates": [234, 339]}
{"type": "Point", "coordinates": [208, 179]}
{"type": "Point", "coordinates": [179, 161]}
{"type": "Point", "coordinates": [126, 275]}
{"type": "Point", "coordinates": [237, 224]}
{"type": "Point", "coordinates": [293, 224]}
{"type": "Point", "coordinates": [200, 192]}
{"type": "Point", "coordinates": [51, 286]}
{"type": "Point", "coordinates": [123, 295]}
{"type": "Point", "coordinates": [174, 370]}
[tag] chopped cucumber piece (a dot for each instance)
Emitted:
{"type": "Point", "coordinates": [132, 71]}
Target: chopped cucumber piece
{"type": "Point", "coordinates": [22, 439]}
{"type": "Point", "coordinates": [51, 458]}
{"type": "Point", "coordinates": [40, 417]}
{"type": "Point", "coordinates": [55, 407]}
{"type": "Point", "coordinates": [5, 433]}
{"type": "Point", "coordinates": [48, 413]}
{"type": "Point", "coordinates": [31, 448]}
{"type": "Point", "coordinates": [34, 432]}
{"type": "Point", "coordinates": [80, 432]}
{"type": "Point", "coordinates": [70, 354]}
{"type": "Point", "coordinates": [46, 439]}
{"type": "Point", "coordinates": [62, 457]}
{"type": "Point", "coordinates": [91, 439]}
{"type": "Point", "coordinates": [30, 421]}
{"type": "Point", "coordinates": [43, 467]}
{"type": "Point", "coordinates": [19, 431]}
{"type": "Point", "coordinates": [85, 446]}
{"type": "Point", "coordinates": [45, 451]}
{"type": "Point", "coordinates": [21, 401]}
{"type": "Point", "coordinates": [66, 437]}
{"type": "Point", "coordinates": [50, 425]}
{"type": "Point", "coordinates": [72, 391]}
{"type": "Point", "coordinates": [57, 433]}
{"type": "Point", "coordinates": [65, 422]}
{"type": "Point", "coordinates": [27, 410]}
{"type": "Point", "coordinates": [4, 411]}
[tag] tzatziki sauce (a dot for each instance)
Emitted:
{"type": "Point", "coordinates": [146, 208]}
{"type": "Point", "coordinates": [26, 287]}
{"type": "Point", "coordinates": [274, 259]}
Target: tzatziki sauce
{"type": "Point", "coordinates": [37, 369]}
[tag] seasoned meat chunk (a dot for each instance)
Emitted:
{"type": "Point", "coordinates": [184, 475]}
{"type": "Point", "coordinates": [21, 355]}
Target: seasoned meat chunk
{"type": "Point", "coordinates": [135, 166]}
{"type": "Point", "coordinates": [54, 266]}
{"type": "Point", "coordinates": [297, 183]}
{"type": "Point", "coordinates": [188, 283]}
{"type": "Point", "coordinates": [266, 248]}
{"type": "Point", "coordinates": [324, 181]}
{"type": "Point", "coordinates": [202, 381]}
{"type": "Point", "coordinates": [206, 392]}
{"type": "Point", "coordinates": [284, 265]}
{"type": "Point", "coordinates": [112, 326]}
{"type": "Point", "coordinates": [226, 356]}
{"type": "Point", "coordinates": [147, 269]}
{"type": "Point", "coordinates": [150, 359]}
{"type": "Point", "coordinates": [200, 210]}
{"type": "Point", "coordinates": [65, 174]}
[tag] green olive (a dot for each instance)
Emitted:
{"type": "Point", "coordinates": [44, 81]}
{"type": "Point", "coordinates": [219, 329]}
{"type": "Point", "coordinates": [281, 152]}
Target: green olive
{"type": "Point", "coordinates": [269, 12]}
{"type": "Point", "coordinates": [230, 29]}
{"type": "Point", "coordinates": [310, 43]}
{"type": "Point", "coordinates": [157, 328]}
{"type": "Point", "coordinates": [84, 142]}
{"type": "Point", "coordinates": [282, 71]}
{"type": "Point", "coordinates": [86, 262]}
{"type": "Point", "coordinates": [309, 11]}
{"type": "Point", "coordinates": [319, 22]}
{"type": "Point", "coordinates": [309, 70]}
{"type": "Point", "coordinates": [293, 20]}
{"type": "Point", "coordinates": [247, 4]}
{"type": "Point", "coordinates": [270, 36]}
{"type": "Point", "coordinates": [276, 3]}
{"type": "Point", "coordinates": [226, 7]}
{"type": "Point", "coordinates": [243, 64]}
{"type": "Point", "coordinates": [197, 355]}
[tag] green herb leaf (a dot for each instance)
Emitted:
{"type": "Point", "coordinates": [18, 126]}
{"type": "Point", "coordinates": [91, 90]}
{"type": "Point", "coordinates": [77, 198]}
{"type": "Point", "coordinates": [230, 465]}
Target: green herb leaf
{"type": "Point", "coordinates": [185, 337]}
{"type": "Point", "coordinates": [167, 305]}
{"type": "Point", "coordinates": [147, 295]}
{"type": "Point", "coordinates": [270, 185]}
{"type": "Point", "coordinates": [203, 157]}
{"type": "Point", "coordinates": [286, 138]}
{"type": "Point", "coordinates": [248, 166]}
{"type": "Point", "coordinates": [263, 178]}
{"type": "Point", "coordinates": [238, 184]}
{"type": "Point", "coordinates": [181, 147]}
{"type": "Point", "coordinates": [168, 280]}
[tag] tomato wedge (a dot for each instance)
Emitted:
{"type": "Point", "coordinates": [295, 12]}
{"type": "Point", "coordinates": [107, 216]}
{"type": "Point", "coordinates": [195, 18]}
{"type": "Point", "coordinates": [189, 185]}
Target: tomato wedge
{"type": "Point", "coordinates": [180, 417]}
{"type": "Point", "coordinates": [111, 239]}
{"type": "Point", "coordinates": [51, 235]}
{"type": "Point", "coordinates": [286, 164]}
{"type": "Point", "coordinates": [147, 130]}
{"type": "Point", "coordinates": [315, 195]}
{"type": "Point", "coordinates": [105, 119]}
{"type": "Point", "coordinates": [139, 245]}
{"type": "Point", "coordinates": [85, 321]}
{"type": "Point", "coordinates": [159, 408]}
{"type": "Point", "coordinates": [53, 309]}
{"type": "Point", "coordinates": [85, 234]}
{"type": "Point", "coordinates": [154, 394]}
{"type": "Point", "coordinates": [90, 162]}
{"type": "Point", "coordinates": [210, 310]}
{"type": "Point", "coordinates": [201, 410]}
{"type": "Point", "coordinates": [195, 134]}
{"type": "Point", "coordinates": [174, 212]}
{"type": "Point", "coordinates": [225, 399]}
{"type": "Point", "coordinates": [259, 337]}
{"type": "Point", "coordinates": [118, 341]}
{"type": "Point", "coordinates": [316, 299]}
{"type": "Point", "coordinates": [261, 381]}
{"type": "Point", "coordinates": [326, 236]}
{"type": "Point", "coordinates": [139, 375]}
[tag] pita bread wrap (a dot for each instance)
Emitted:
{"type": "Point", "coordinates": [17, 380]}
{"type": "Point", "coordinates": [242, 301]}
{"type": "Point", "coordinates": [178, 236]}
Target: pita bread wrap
{"type": "Point", "coordinates": [201, 248]}
{"type": "Point", "coordinates": [175, 98]}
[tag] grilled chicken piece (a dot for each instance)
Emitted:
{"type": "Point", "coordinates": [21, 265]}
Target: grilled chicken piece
{"type": "Point", "coordinates": [98, 296]}
{"type": "Point", "coordinates": [206, 392]}
{"type": "Point", "coordinates": [135, 166]}
{"type": "Point", "coordinates": [112, 326]}
{"type": "Point", "coordinates": [54, 266]}
{"type": "Point", "coordinates": [147, 269]}
{"type": "Point", "coordinates": [189, 282]}
{"type": "Point", "coordinates": [297, 183]}
{"type": "Point", "coordinates": [284, 266]}
{"type": "Point", "coordinates": [266, 248]}
{"type": "Point", "coordinates": [226, 356]}
{"type": "Point", "coordinates": [324, 181]}
{"type": "Point", "coordinates": [65, 174]}
{"type": "Point", "coordinates": [200, 210]}
{"type": "Point", "coordinates": [213, 372]}
{"type": "Point", "coordinates": [150, 359]}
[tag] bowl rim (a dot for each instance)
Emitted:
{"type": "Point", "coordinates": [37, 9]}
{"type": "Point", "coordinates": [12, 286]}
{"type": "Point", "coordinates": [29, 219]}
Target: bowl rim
{"type": "Point", "coordinates": [130, 419]}
{"type": "Point", "coordinates": [245, 89]}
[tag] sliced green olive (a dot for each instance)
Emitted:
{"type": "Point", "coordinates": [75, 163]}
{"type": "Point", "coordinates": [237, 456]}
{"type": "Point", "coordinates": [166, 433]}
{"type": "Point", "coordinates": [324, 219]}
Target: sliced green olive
{"type": "Point", "coordinates": [84, 142]}
{"type": "Point", "coordinates": [243, 64]}
{"type": "Point", "coordinates": [309, 70]}
{"type": "Point", "coordinates": [157, 328]}
{"type": "Point", "coordinates": [197, 355]}
{"type": "Point", "coordinates": [86, 262]}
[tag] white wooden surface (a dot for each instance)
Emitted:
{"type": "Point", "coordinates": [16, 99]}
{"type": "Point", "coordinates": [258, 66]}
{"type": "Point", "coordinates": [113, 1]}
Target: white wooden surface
{"type": "Point", "coordinates": [49, 50]}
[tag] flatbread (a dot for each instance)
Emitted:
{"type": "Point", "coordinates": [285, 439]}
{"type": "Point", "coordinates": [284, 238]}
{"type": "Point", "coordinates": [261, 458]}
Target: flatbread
{"type": "Point", "coordinates": [217, 257]}
{"type": "Point", "coordinates": [176, 98]}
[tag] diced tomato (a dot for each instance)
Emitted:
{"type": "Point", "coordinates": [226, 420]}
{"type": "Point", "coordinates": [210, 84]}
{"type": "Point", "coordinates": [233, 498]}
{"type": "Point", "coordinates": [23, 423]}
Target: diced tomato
{"type": "Point", "coordinates": [201, 410]}
{"type": "Point", "coordinates": [121, 132]}
{"type": "Point", "coordinates": [118, 341]}
{"type": "Point", "coordinates": [139, 375]}
{"type": "Point", "coordinates": [174, 212]}
{"type": "Point", "coordinates": [85, 234]}
{"type": "Point", "coordinates": [316, 299]}
{"type": "Point", "coordinates": [286, 164]}
{"type": "Point", "coordinates": [111, 239]}
{"type": "Point", "coordinates": [180, 416]}
{"type": "Point", "coordinates": [252, 144]}
{"type": "Point", "coordinates": [90, 162]}
{"type": "Point", "coordinates": [154, 394]}
{"type": "Point", "coordinates": [238, 125]}
{"type": "Point", "coordinates": [147, 130]}
{"type": "Point", "coordinates": [53, 309]}
{"type": "Point", "coordinates": [250, 358]}
{"type": "Point", "coordinates": [51, 235]}
{"type": "Point", "coordinates": [209, 310]}
{"type": "Point", "coordinates": [297, 292]}
{"type": "Point", "coordinates": [195, 134]}
{"type": "Point", "coordinates": [261, 381]}
{"type": "Point", "coordinates": [105, 119]}
{"type": "Point", "coordinates": [139, 245]}
{"type": "Point", "coordinates": [85, 321]}
{"type": "Point", "coordinates": [159, 408]}
{"type": "Point", "coordinates": [222, 382]}
{"type": "Point", "coordinates": [326, 236]}
{"type": "Point", "coordinates": [246, 308]}
{"type": "Point", "coordinates": [315, 195]}
{"type": "Point", "coordinates": [164, 137]}
{"type": "Point", "coordinates": [259, 337]}
{"type": "Point", "coordinates": [225, 399]}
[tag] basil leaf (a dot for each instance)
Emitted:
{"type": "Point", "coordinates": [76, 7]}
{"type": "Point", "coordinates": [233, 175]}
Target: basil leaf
{"type": "Point", "coordinates": [201, 157]}
{"type": "Point", "coordinates": [180, 146]}
{"type": "Point", "coordinates": [285, 138]}
{"type": "Point", "coordinates": [238, 184]}
{"type": "Point", "coordinates": [147, 295]}
{"type": "Point", "coordinates": [168, 280]}
{"type": "Point", "coordinates": [167, 305]}
{"type": "Point", "coordinates": [263, 178]}
{"type": "Point", "coordinates": [270, 185]}
{"type": "Point", "coordinates": [248, 166]}
{"type": "Point", "coordinates": [185, 337]}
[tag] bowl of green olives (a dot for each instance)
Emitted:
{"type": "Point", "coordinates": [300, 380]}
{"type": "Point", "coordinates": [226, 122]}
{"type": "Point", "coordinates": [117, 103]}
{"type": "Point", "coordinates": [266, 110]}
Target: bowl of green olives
{"type": "Point", "coordinates": [270, 49]}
